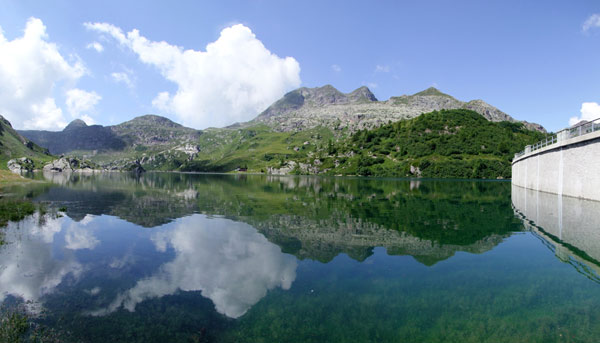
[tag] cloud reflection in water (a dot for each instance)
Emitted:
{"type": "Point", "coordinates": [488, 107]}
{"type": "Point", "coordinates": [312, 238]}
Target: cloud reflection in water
{"type": "Point", "coordinates": [229, 262]}
{"type": "Point", "coordinates": [28, 268]}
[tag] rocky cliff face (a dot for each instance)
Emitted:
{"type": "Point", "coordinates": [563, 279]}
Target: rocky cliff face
{"type": "Point", "coordinates": [326, 106]}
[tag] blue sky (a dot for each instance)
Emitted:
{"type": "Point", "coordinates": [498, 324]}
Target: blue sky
{"type": "Point", "coordinates": [536, 60]}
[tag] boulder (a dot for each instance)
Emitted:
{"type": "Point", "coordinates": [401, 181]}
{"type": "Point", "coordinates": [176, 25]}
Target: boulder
{"type": "Point", "coordinates": [69, 165]}
{"type": "Point", "coordinates": [284, 170]}
{"type": "Point", "coordinates": [20, 165]}
{"type": "Point", "coordinates": [63, 164]}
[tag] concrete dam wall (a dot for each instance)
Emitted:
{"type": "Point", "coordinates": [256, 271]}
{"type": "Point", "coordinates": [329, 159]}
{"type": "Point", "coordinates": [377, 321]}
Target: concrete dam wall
{"type": "Point", "coordinates": [565, 164]}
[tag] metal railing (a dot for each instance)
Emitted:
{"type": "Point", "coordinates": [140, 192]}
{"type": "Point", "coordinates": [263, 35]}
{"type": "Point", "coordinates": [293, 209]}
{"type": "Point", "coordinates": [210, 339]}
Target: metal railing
{"type": "Point", "coordinates": [584, 128]}
{"type": "Point", "coordinates": [571, 132]}
{"type": "Point", "coordinates": [542, 144]}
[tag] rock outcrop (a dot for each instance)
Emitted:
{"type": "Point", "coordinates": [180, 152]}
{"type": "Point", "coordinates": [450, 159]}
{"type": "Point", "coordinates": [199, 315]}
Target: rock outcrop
{"type": "Point", "coordinates": [306, 108]}
{"type": "Point", "coordinates": [20, 165]}
{"type": "Point", "coordinates": [70, 165]}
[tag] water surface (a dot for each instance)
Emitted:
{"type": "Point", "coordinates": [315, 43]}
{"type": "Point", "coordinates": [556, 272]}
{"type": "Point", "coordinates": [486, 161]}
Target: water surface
{"type": "Point", "coordinates": [246, 258]}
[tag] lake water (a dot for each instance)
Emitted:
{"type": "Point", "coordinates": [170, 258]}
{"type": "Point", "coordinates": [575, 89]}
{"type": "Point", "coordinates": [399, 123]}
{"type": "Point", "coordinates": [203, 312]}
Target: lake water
{"type": "Point", "coordinates": [247, 258]}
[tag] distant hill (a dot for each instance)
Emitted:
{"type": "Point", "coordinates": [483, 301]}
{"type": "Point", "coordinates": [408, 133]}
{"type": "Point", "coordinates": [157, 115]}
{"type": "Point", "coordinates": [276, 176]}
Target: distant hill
{"type": "Point", "coordinates": [306, 108]}
{"type": "Point", "coordinates": [13, 145]}
{"type": "Point", "coordinates": [76, 136]}
{"type": "Point", "coordinates": [152, 130]}
{"type": "Point", "coordinates": [148, 130]}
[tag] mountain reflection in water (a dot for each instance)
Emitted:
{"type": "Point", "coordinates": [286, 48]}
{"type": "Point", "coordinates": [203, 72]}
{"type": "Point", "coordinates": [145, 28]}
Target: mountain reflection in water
{"type": "Point", "coordinates": [183, 257]}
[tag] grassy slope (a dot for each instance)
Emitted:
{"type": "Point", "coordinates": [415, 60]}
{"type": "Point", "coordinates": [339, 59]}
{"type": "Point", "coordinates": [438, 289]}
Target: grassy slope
{"type": "Point", "coordinates": [256, 148]}
{"type": "Point", "coordinates": [448, 143]}
{"type": "Point", "coordinates": [10, 178]}
{"type": "Point", "coordinates": [12, 146]}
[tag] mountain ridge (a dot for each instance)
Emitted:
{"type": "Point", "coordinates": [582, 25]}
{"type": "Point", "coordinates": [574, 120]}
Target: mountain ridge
{"type": "Point", "coordinates": [147, 129]}
{"type": "Point", "coordinates": [326, 106]}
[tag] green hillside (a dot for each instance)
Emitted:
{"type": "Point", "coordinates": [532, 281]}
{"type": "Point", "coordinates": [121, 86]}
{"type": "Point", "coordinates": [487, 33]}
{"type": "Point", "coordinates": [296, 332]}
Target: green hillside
{"type": "Point", "coordinates": [448, 143]}
{"type": "Point", "coordinates": [442, 144]}
{"type": "Point", "coordinates": [13, 145]}
{"type": "Point", "coordinates": [255, 148]}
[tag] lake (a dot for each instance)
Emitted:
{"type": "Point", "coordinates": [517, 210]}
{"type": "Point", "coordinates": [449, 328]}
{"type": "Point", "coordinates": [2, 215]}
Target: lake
{"type": "Point", "coordinates": [167, 257]}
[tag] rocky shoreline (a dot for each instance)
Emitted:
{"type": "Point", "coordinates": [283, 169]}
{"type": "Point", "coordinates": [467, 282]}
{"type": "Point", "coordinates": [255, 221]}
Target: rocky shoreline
{"type": "Point", "coordinates": [67, 165]}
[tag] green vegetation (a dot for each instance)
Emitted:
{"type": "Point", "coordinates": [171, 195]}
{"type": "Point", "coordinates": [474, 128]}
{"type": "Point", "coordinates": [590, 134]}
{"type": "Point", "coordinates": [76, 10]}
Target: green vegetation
{"type": "Point", "coordinates": [13, 326]}
{"type": "Point", "coordinates": [441, 144]}
{"type": "Point", "coordinates": [10, 178]}
{"type": "Point", "coordinates": [255, 148]}
{"type": "Point", "coordinates": [13, 145]}
{"type": "Point", "coordinates": [14, 210]}
{"type": "Point", "coordinates": [17, 327]}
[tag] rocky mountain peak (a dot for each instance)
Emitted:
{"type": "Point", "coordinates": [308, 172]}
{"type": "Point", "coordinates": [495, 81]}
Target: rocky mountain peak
{"type": "Point", "coordinates": [326, 95]}
{"type": "Point", "coordinates": [326, 106]}
{"type": "Point", "coordinates": [362, 94]}
{"type": "Point", "coordinates": [75, 124]}
{"type": "Point", "coordinates": [316, 97]}
{"type": "Point", "coordinates": [151, 120]}
{"type": "Point", "coordinates": [431, 91]}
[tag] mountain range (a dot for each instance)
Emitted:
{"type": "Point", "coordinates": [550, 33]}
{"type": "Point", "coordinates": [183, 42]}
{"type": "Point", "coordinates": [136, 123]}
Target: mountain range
{"type": "Point", "coordinates": [326, 106]}
{"type": "Point", "coordinates": [298, 126]}
{"type": "Point", "coordinates": [147, 130]}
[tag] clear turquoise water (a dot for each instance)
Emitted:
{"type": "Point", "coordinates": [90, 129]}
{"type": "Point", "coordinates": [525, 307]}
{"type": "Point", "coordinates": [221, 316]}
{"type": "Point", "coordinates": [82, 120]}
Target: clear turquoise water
{"type": "Point", "coordinates": [225, 258]}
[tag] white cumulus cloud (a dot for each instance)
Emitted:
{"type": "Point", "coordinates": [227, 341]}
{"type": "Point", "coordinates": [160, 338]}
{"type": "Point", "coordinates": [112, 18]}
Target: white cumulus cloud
{"type": "Point", "coordinates": [30, 69]}
{"type": "Point", "coordinates": [80, 101]}
{"type": "Point", "coordinates": [96, 46]}
{"type": "Point", "coordinates": [232, 80]}
{"type": "Point", "coordinates": [589, 111]}
{"type": "Point", "coordinates": [336, 68]}
{"type": "Point", "coordinates": [382, 68]}
{"type": "Point", "coordinates": [122, 78]}
{"type": "Point", "coordinates": [591, 22]}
